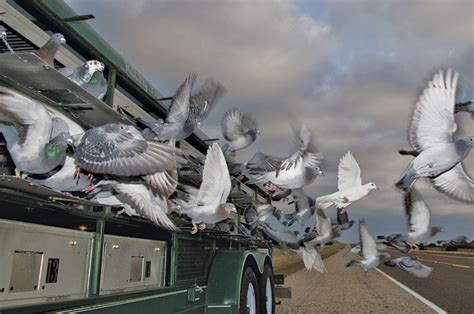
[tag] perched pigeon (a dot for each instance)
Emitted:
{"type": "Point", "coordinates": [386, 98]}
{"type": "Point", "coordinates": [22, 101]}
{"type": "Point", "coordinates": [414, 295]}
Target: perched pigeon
{"type": "Point", "coordinates": [177, 116]}
{"type": "Point", "coordinates": [27, 126]}
{"type": "Point", "coordinates": [83, 74]}
{"type": "Point", "coordinates": [343, 221]}
{"type": "Point", "coordinates": [239, 129]}
{"type": "Point", "coordinates": [371, 257]}
{"type": "Point", "coordinates": [208, 204]}
{"type": "Point", "coordinates": [200, 104]}
{"type": "Point", "coordinates": [97, 85]}
{"type": "Point", "coordinates": [431, 134]}
{"type": "Point", "coordinates": [467, 106]}
{"type": "Point", "coordinates": [349, 185]}
{"type": "Point", "coordinates": [294, 172]}
{"type": "Point", "coordinates": [119, 149]}
{"type": "Point", "coordinates": [411, 265]}
{"type": "Point", "coordinates": [48, 51]}
{"type": "Point", "coordinates": [138, 197]}
{"type": "Point", "coordinates": [326, 233]}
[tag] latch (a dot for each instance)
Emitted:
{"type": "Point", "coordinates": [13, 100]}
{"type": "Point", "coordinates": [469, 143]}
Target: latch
{"type": "Point", "coordinates": [194, 293]}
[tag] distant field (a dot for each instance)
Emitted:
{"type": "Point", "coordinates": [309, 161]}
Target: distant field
{"type": "Point", "coordinates": [288, 263]}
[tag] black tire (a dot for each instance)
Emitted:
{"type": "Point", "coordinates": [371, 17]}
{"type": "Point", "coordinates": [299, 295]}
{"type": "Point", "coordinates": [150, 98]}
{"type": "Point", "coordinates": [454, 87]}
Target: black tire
{"type": "Point", "coordinates": [268, 276]}
{"type": "Point", "coordinates": [248, 279]}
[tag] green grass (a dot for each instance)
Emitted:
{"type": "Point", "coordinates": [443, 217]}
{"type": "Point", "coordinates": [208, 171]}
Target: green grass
{"type": "Point", "coordinates": [288, 263]}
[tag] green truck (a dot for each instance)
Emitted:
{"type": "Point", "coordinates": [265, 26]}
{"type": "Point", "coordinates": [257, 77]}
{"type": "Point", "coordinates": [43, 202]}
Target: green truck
{"type": "Point", "coordinates": [60, 253]}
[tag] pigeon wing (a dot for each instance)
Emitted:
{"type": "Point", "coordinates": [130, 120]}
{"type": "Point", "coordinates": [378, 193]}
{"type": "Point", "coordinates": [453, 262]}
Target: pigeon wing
{"type": "Point", "coordinates": [433, 120]}
{"type": "Point", "coordinates": [120, 154]}
{"type": "Point", "coordinates": [204, 98]}
{"type": "Point", "coordinates": [323, 224]}
{"type": "Point", "coordinates": [216, 184]}
{"type": "Point", "coordinates": [456, 184]}
{"type": "Point", "coordinates": [417, 212]}
{"type": "Point", "coordinates": [179, 108]}
{"type": "Point", "coordinates": [235, 124]}
{"type": "Point", "coordinates": [348, 173]}
{"type": "Point", "coordinates": [367, 243]}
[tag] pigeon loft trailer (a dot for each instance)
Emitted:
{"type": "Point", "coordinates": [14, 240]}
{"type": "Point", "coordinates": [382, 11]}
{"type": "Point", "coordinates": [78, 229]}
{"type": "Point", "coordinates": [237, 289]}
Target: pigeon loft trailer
{"type": "Point", "coordinates": [61, 253]}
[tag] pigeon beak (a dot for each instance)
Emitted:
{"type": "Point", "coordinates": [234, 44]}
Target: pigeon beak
{"type": "Point", "coordinates": [321, 173]}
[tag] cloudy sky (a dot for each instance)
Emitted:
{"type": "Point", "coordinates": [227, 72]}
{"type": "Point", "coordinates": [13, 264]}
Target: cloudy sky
{"type": "Point", "coordinates": [352, 70]}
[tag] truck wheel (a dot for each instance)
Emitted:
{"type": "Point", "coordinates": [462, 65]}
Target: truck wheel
{"type": "Point", "coordinates": [268, 291]}
{"type": "Point", "coordinates": [249, 293]}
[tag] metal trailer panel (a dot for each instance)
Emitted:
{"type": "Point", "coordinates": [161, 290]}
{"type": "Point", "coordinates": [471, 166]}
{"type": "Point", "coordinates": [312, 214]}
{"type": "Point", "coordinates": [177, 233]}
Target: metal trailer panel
{"type": "Point", "coordinates": [42, 264]}
{"type": "Point", "coordinates": [130, 264]}
{"type": "Point", "coordinates": [223, 287]}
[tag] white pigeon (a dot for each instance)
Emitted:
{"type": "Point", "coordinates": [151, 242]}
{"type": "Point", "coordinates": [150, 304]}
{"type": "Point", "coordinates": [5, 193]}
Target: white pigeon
{"type": "Point", "coordinates": [431, 135]}
{"type": "Point", "coordinates": [326, 232]}
{"type": "Point", "coordinates": [371, 257]}
{"type": "Point", "coordinates": [349, 184]}
{"type": "Point", "coordinates": [27, 127]}
{"type": "Point", "coordinates": [418, 216]}
{"type": "Point", "coordinates": [208, 205]}
{"type": "Point", "coordinates": [294, 172]}
{"type": "Point", "coordinates": [138, 197]}
{"type": "Point", "coordinates": [411, 265]}
{"type": "Point", "coordinates": [239, 129]}
{"type": "Point", "coordinates": [312, 259]}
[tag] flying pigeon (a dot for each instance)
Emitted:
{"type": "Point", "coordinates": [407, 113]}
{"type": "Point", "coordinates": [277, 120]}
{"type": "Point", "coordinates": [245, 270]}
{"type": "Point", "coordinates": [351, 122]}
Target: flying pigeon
{"type": "Point", "coordinates": [458, 241]}
{"type": "Point", "coordinates": [326, 233]}
{"type": "Point", "coordinates": [177, 116]}
{"type": "Point", "coordinates": [120, 149]}
{"type": "Point", "coordinates": [418, 216]}
{"type": "Point", "coordinates": [349, 185]}
{"type": "Point", "coordinates": [312, 259]}
{"type": "Point", "coordinates": [201, 103]}
{"type": "Point", "coordinates": [48, 51]}
{"type": "Point", "coordinates": [83, 74]}
{"type": "Point", "coordinates": [431, 134]}
{"type": "Point", "coordinates": [294, 172]}
{"type": "Point", "coordinates": [371, 257]}
{"type": "Point", "coordinates": [137, 197]}
{"type": "Point", "coordinates": [411, 265]}
{"type": "Point", "coordinates": [467, 106]}
{"type": "Point", "coordinates": [343, 221]}
{"type": "Point", "coordinates": [239, 129]}
{"type": "Point", "coordinates": [208, 204]}
{"type": "Point", "coordinates": [27, 126]}
{"type": "Point", "coordinates": [304, 206]}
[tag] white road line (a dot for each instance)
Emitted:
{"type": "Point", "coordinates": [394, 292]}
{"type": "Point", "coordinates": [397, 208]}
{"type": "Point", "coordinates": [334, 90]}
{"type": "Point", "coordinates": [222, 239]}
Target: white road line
{"type": "Point", "coordinates": [413, 293]}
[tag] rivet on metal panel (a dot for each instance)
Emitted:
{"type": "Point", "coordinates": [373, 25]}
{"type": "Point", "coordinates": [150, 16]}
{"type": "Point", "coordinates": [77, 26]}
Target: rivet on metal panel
{"type": "Point", "coordinates": [115, 246]}
{"type": "Point", "coordinates": [73, 242]}
{"type": "Point", "coordinates": [157, 249]}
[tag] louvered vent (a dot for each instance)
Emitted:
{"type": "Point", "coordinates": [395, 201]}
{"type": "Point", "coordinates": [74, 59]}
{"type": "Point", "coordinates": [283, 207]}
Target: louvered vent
{"type": "Point", "coordinates": [19, 43]}
{"type": "Point", "coordinates": [193, 259]}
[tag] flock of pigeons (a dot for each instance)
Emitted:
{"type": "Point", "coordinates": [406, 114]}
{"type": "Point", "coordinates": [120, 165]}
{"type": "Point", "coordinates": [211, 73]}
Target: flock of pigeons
{"type": "Point", "coordinates": [137, 170]}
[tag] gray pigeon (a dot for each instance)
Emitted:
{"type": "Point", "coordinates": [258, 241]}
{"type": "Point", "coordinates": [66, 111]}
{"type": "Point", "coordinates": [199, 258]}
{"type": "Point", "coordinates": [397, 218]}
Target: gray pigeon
{"type": "Point", "coordinates": [97, 85]}
{"type": "Point", "coordinates": [411, 265]}
{"type": "Point", "coordinates": [326, 233]}
{"type": "Point", "coordinates": [418, 216]}
{"type": "Point", "coordinates": [431, 134]}
{"type": "Point", "coordinates": [137, 198]}
{"type": "Point", "coordinates": [294, 172]}
{"type": "Point", "coordinates": [120, 149]}
{"type": "Point", "coordinates": [178, 114]}
{"type": "Point", "coordinates": [343, 221]}
{"type": "Point", "coordinates": [371, 257]}
{"type": "Point", "coordinates": [48, 51]}
{"type": "Point", "coordinates": [239, 129]}
{"type": "Point", "coordinates": [208, 205]}
{"type": "Point", "coordinates": [27, 126]}
{"type": "Point", "coordinates": [304, 206]}
{"type": "Point", "coordinates": [3, 38]}
{"type": "Point", "coordinates": [458, 241]}
{"type": "Point", "coordinates": [467, 106]}
{"type": "Point", "coordinates": [83, 74]}
{"type": "Point", "coordinates": [201, 103]}
{"type": "Point", "coordinates": [349, 185]}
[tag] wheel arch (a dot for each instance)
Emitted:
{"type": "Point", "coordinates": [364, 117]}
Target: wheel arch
{"type": "Point", "coordinates": [225, 275]}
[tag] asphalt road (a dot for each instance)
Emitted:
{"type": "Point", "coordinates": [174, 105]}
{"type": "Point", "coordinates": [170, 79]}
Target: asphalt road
{"type": "Point", "coordinates": [450, 286]}
{"type": "Point", "coordinates": [346, 290]}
